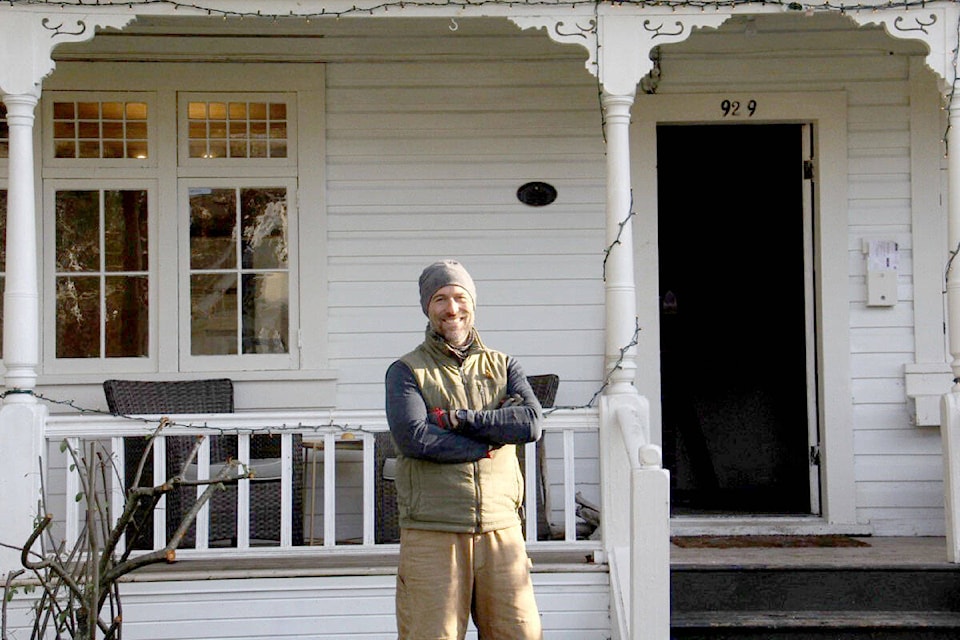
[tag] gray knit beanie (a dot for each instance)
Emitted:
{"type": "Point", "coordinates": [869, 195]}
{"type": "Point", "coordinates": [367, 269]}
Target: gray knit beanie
{"type": "Point", "coordinates": [440, 274]}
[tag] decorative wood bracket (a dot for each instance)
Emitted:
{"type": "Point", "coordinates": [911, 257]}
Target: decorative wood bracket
{"type": "Point", "coordinates": [934, 25]}
{"type": "Point", "coordinates": [618, 39]}
{"type": "Point", "coordinates": [27, 40]}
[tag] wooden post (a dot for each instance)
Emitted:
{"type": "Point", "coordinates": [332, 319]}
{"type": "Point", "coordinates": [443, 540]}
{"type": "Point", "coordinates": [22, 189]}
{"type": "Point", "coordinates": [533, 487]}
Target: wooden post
{"type": "Point", "coordinates": [21, 418]}
{"type": "Point", "coordinates": [950, 406]}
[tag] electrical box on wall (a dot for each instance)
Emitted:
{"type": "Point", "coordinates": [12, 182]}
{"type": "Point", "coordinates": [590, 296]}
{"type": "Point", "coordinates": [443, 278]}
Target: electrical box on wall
{"type": "Point", "coordinates": [883, 266]}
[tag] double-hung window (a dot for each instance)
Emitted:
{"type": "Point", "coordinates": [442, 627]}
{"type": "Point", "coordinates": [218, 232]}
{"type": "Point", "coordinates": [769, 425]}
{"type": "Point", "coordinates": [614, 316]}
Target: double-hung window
{"type": "Point", "coordinates": [100, 207]}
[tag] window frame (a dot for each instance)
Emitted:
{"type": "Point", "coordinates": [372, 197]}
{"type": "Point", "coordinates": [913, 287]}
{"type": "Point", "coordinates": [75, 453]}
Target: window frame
{"type": "Point", "coordinates": [102, 363]}
{"type": "Point", "coordinates": [239, 361]}
{"type": "Point", "coordinates": [185, 162]}
{"type": "Point", "coordinates": [160, 83]}
{"type": "Point", "coordinates": [49, 146]}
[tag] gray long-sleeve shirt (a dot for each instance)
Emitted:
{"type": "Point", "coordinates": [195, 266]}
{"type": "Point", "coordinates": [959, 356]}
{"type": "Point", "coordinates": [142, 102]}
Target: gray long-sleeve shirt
{"type": "Point", "coordinates": [417, 436]}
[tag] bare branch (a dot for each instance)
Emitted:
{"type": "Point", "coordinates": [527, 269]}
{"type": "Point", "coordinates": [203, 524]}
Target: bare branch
{"type": "Point", "coordinates": [7, 585]}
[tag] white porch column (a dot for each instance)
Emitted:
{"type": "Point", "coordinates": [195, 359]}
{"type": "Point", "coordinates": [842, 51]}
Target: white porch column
{"type": "Point", "coordinates": [619, 286]}
{"type": "Point", "coordinates": [21, 296]}
{"type": "Point", "coordinates": [953, 234]}
{"type": "Point", "coordinates": [27, 39]}
{"type": "Point", "coordinates": [21, 418]}
{"type": "Point", "coordinates": [950, 412]}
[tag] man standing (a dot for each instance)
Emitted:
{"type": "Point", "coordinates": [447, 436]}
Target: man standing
{"type": "Point", "coordinates": [457, 410]}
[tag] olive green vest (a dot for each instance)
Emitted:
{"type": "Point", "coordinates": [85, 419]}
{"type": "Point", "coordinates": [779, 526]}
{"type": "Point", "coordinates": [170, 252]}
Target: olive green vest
{"type": "Point", "coordinates": [476, 496]}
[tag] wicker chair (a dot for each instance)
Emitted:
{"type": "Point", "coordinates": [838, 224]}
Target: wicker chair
{"type": "Point", "coordinates": [545, 388]}
{"type": "Point", "coordinates": [385, 492]}
{"type": "Point", "coordinates": [130, 397]}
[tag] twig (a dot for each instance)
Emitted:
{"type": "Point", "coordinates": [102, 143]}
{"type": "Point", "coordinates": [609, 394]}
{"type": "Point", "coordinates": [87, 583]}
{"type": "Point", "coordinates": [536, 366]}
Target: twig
{"type": "Point", "coordinates": [11, 575]}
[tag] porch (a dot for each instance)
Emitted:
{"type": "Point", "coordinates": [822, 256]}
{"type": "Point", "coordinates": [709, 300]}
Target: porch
{"type": "Point", "coordinates": [717, 592]}
{"type": "Point", "coordinates": [336, 580]}
{"type": "Point", "coordinates": [330, 574]}
{"type": "Point", "coordinates": [900, 573]}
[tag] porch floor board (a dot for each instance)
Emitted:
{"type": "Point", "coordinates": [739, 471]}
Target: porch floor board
{"type": "Point", "coordinates": [334, 564]}
{"type": "Point", "coordinates": [882, 552]}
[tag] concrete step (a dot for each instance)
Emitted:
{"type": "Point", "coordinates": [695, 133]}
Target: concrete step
{"type": "Point", "coordinates": [717, 603]}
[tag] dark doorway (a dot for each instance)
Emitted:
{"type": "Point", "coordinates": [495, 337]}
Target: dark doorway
{"type": "Point", "coordinates": [733, 318]}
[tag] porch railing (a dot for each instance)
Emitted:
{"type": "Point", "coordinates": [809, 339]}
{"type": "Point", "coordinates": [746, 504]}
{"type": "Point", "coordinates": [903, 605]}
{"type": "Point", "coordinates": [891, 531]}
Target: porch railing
{"type": "Point", "coordinates": [339, 449]}
{"type": "Point", "coordinates": [636, 537]}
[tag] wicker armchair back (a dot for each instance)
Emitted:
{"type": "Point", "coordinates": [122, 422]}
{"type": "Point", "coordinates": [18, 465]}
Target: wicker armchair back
{"type": "Point", "coordinates": [215, 395]}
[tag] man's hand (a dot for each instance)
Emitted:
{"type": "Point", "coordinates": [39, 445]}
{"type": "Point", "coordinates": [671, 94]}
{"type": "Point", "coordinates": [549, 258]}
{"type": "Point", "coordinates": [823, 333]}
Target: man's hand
{"type": "Point", "coordinates": [443, 418]}
{"type": "Point", "coordinates": [512, 401]}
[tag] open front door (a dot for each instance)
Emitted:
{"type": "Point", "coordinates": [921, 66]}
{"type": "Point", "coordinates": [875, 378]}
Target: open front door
{"type": "Point", "coordinates": [735, 319]}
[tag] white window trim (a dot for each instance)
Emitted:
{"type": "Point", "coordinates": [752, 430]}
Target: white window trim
{"type": "Point", "coordinates": [165, 81]}
{"type": "Point", "coordinates": [238, 362]}
{"type": "Point", "coordinates": [53, 364]}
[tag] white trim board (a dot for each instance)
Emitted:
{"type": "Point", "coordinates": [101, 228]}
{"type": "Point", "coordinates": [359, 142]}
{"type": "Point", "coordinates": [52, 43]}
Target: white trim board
{"type": "Point", "coordinates": [828, 112]}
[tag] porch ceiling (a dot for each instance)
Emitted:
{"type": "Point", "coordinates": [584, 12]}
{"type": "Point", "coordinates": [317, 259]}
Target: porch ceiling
{"type": "Point", "coordinates": [197, 38]}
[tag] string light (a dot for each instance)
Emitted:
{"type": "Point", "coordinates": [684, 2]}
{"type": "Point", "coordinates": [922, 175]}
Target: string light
{"type": "Point", "coordinates": [829, 6]}
{"type": "Point", "coordinates": [346, 429]}
{"type": "Point", "coordinates": [616, 241]}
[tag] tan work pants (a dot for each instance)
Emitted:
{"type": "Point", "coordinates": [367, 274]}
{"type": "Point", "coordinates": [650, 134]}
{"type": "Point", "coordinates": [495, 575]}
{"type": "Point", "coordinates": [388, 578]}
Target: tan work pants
{"type": "Point", "coordinates": [443, 577]}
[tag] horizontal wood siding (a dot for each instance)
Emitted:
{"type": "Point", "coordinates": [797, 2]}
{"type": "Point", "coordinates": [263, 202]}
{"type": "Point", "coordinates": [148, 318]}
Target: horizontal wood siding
{"type": "Point", "coordinates": [898, 466]}
{"type": "Point", "coordinates": [573, 606]}
{"type": "Point", "coordinates": [424, 162]}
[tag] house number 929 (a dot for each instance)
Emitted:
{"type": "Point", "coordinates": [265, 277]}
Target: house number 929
{"type": "Point", "coordinates": [734, 108]}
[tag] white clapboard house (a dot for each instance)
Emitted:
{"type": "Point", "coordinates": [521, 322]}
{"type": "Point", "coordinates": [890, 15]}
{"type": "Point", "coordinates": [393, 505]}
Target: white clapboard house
{"type": "Point", "coordinates": [727, 227]}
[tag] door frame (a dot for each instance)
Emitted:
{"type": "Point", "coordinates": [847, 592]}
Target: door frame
{"type": "Point", "coordinates": [827, 112]}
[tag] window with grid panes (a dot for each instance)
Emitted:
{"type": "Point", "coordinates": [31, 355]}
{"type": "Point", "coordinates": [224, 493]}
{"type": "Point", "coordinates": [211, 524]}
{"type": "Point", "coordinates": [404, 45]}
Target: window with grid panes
{"type": "Point", "coordinates": [240, 278]}
{"type": "Point", "coordinates": [237, 129]}
{"type": "Point", "coordinates": [102, 273]}
{"type": "Point", "coordinates": [99, 278]}
{"type": "Point", "coordinates": [236, 175]}
{"type": "Point", "coordinates": [100, 129]}
{"type": "Point", "coordinates": [239, 270]}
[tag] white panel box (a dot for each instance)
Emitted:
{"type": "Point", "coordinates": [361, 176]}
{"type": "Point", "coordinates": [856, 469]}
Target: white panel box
{"type": "Point", "coordinates": [883, 266]}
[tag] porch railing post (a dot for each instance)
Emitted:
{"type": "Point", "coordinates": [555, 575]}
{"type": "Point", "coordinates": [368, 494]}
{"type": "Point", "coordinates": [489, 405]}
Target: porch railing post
{"type": "Point", "coordinates": [635, 519]}
{"type": "Point", "coordinates": [950, 436]}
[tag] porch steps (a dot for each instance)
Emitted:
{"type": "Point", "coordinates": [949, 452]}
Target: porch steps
{"type": "Point", "coordinates": [807, 603]}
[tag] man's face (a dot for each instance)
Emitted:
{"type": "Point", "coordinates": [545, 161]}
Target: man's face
{"type": "Point", "coordinates": [451, 314]}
